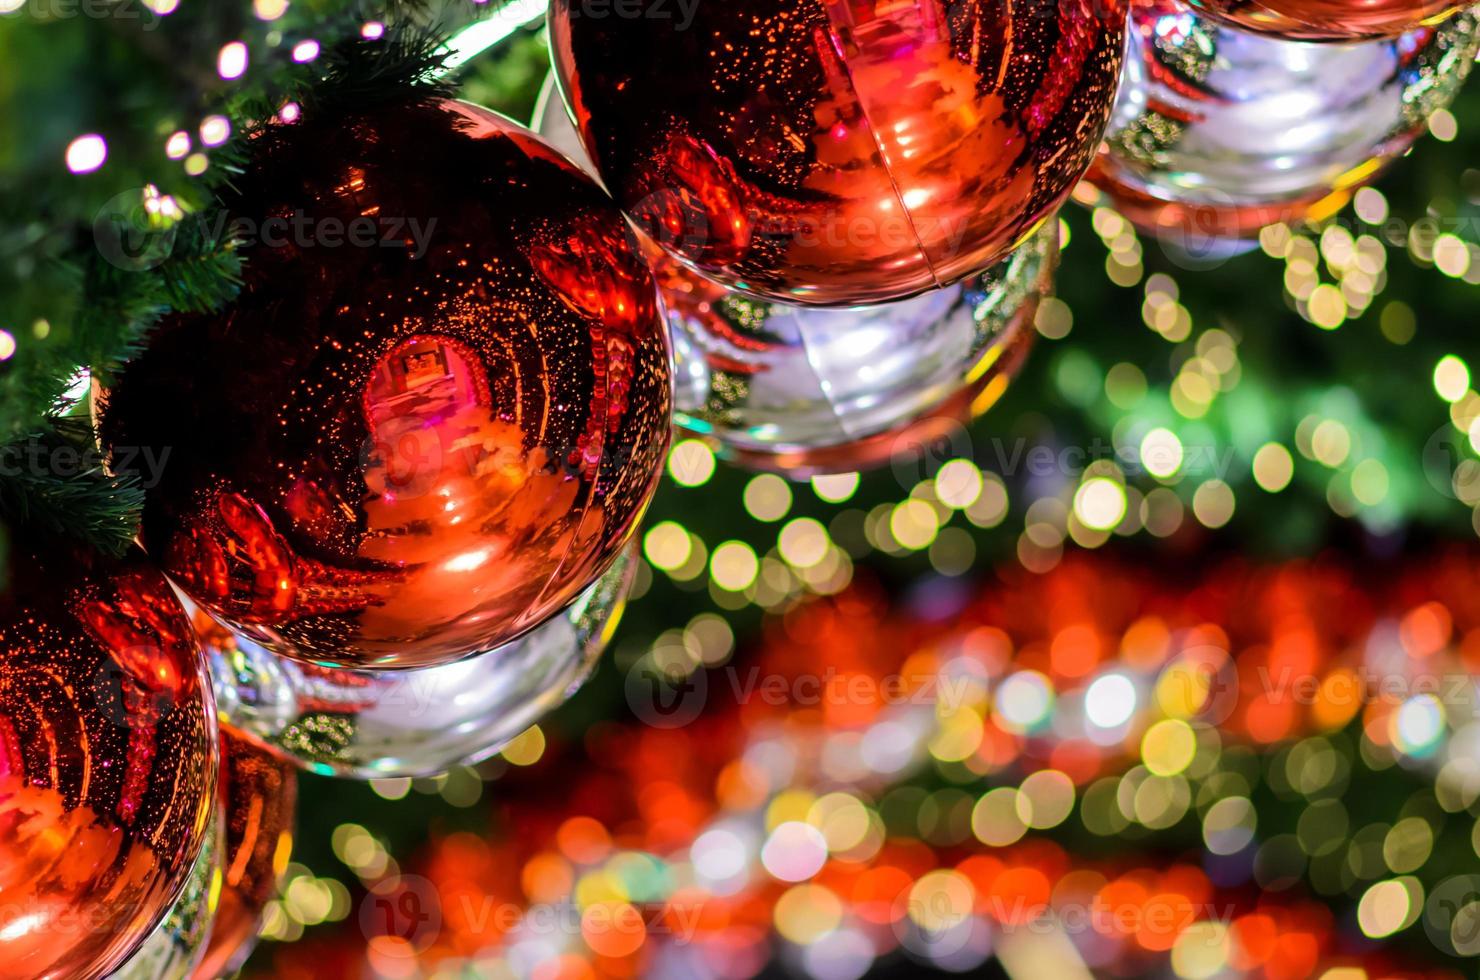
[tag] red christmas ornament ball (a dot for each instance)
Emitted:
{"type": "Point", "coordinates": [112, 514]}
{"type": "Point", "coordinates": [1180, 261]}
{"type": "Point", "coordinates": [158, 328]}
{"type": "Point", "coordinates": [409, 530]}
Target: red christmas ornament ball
{"type": "Point", "coordinates": [1329, 20]}
{"type": "Point", "coordinates": [841, 152]}
{"type": "Point", "coordinates": [409, 447]}
{"type": "Point", "coordinates": [108, 751]}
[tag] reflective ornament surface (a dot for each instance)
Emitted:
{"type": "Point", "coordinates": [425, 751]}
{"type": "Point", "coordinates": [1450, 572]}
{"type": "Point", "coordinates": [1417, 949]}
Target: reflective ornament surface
{"type": "Point", "coordinates": [807, 390]}
{"type": "Point", "coordinates": [1218, 132]}
{"type": "Point", "coordinates": [177, 946]}
{"type": "Point", "coordinates": [374, 724]}
{"type": "Point", "coordinates": [1329, 20]}
{"type": "Point", "coordinates": [411, 451]}
{"type": "Point", "coordinates": [840, 152]}
{"type": "Point", "coordinates": [107, 760]}
{"type": "Point", "coordinates": [259, 800]}
{"type": "Point", "coordinates": [810, 391]}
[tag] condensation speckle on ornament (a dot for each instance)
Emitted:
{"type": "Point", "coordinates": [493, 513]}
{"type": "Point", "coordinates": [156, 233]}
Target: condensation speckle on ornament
{"type": "Point", "coordinates": [841, 152]}
{"type": "Point", "coordinates": [1329, 20]}
{"type": "Point", "coordinates": [810, 391]}
{"type": "Point", "coordinates": [108, 750]}
{"type": "Point", "coordinates": [1218, 132]}
{"type": "Point", "coordinates": [404, 453]}
{"type": "Point", "coordinates": [376, 724]}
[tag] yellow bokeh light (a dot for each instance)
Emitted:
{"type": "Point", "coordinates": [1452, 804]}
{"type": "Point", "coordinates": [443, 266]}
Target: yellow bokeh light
{"type": "Point", "coordinates": [914, 524]}
{"type": "Point", "coordinates": [1213, 503]}
{"type": "Point", "coordinates": [667, 545]}
{"type": "Point", "coordinates": [990, 508]}
{"type": "Point", "coordinates": [1053, 319]}
{"type": "Point", "coordinates": [1100, 503]}
{"type": "Point", "coordinates": [805, 913]}
{"type": "Point", "coordinates": [1161, 453]}
{"type": "Point", "coordinates": [1274, 467]}
{"type": "Point", "coordinates": [1168, 746]}
{"type": "Point", "coordinates": [526, 748]}
{"type": "Point", "coordinates": [1183, 688]}
{"type": "Point", "coordinates": [1452, 255]}
{"type": "Point", "coordinates": [767, 497]}
{"type": "Point", "coordinates": [1451, 378]}
{"type": "Point", "coordinates": [941, 900]}
{"type": "Point", "coordinates": [995, 820]}
{"type": "Point", "coordinates": [958, 484]}
{"type": "Point", "coordinates": [802, 542]}
{"type": "Point", "coordinates": [959, 736]}
{"type": "Point", "coordinates": [1327, 306]}
{"type": "Point", "coordinates": [843, 820]}
{"type": "Point", "coordinates": [734, 566]}
{"type": "Point", "coordinates": [835, 487]}
{"type": "Point", "coordinates": [1201, 951]}
{"type": "Point", "coordinates": [690, 463]}
{"type": "Point", "coordinates": [1443, 126]}
{"type": "Point", "coordinates": [1370, 482]}
{"type": "Point", "coordinates": [1408, 845]}
{"type": "Point", "coordinates": [1384, 909]}
{"type": "Point", "coordinates": [1045, 799]}
{"type": "Point", "coordinates": [1331, 443]}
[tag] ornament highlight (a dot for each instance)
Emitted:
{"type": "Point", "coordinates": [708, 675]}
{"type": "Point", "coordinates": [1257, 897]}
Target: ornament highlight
{"type": "Point", "coordinates": [1329, 20]}
{"type": "Point", "coordinates": [107, 760]}
{"type": "Point", "coordinates": [372, 724]}
{"type": "Point", "coordinates": [412, 447]}
{"type": "Point", "coordinates": [841, 152]}
{"type": "Point", "coordinates": [1218, 132]}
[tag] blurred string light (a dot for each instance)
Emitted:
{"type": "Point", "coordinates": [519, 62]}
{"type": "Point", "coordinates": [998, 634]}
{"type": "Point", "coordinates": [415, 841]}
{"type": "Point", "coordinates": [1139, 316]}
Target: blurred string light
{"type": "Point", "coordinates": [178, 145]}
{"type": "Point", "coordinates": [912, 818]}
{"type": "Point", "coordinates": [231, 61]}
{"type": "Point", "coordinates": [214, 130]}
{"type": "Point", "coordinates": [86, 153]}
{"type": "Point", "coordinates": [1165, 483]}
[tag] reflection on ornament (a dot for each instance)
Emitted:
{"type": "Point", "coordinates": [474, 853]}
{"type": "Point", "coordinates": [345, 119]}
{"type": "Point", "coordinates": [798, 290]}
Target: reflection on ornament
{"type": "Point", "coordinates": [107, 760]}
{"type": "Point", "coordinates": [1329, 20]}
{"type": "Point", "coordinates": [812, 391]}
{"type": "Point", "coordinates": [403, 454]}
{"type": "Point", "coordinates": [259, 797]}
{"type": "Point", "coordinates": [373, 724]}
{"type": "Point", "coordinates": [839, 152]}
{"type": "Point", "coordinates": [806, 390]}
{"type": "Point", "coordinates": [176, 947]}
{"type": "Point", "coordinates": [1218, 132]}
